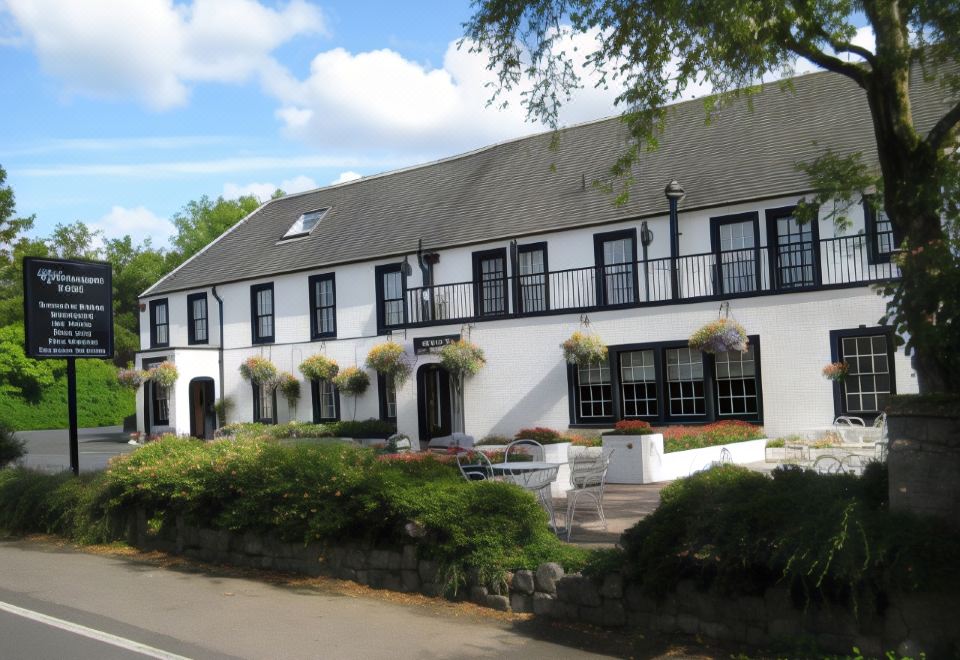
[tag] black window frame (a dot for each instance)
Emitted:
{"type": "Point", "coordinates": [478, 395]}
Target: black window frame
{"type": "Point", "coordinates": [382, 398]}
{"type": "Point", "coordinates": [663, 417]}
{"type": "Point", "coordinates": [874, 255]}
{"type": "Point", "coordinates": [540, 246]}
{"type": "Point", "coordinates": [598, 241]}
{"type": "Point", "coordinates": [380, 271]}
{"type": "Point", "coordinates": [836, 355]}
{"type": "Point", "coordinates": [192, 321]}
{"type": "Point", "coordinates": [772, 216]}
{"type": "Point", "coordinates": [735, 218]}
{"type": "Point", "coordinates": [257, 413]}
{"type": "Point", "coordinates": [256, 338]}
{"type": "Point", "coordinates": [315, 330]}
{"type": "Point", "coordinates": [315, 402]}
{"type": "Point", "coordinates": [154, 304]}
{"type": "Point", "coordinates": [479, 289]}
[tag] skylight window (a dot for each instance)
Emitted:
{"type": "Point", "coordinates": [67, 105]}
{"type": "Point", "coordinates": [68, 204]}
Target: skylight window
{"type": "Point", "coordinates": [305, 224]}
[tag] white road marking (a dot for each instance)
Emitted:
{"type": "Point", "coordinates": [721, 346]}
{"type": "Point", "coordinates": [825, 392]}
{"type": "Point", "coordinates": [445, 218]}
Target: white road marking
{"type": "Point", "coordinates": [98, 635]}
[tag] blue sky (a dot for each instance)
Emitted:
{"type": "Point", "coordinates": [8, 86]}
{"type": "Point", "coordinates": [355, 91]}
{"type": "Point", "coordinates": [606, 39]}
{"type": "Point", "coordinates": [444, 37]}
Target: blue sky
{"type": "Point", "coordinates": [119, 112]}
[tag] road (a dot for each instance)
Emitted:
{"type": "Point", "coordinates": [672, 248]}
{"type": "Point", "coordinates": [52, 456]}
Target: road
{"type": "Point", "coordinates": [57, 603]}
{"type": "Point", "coordinates": [49, 451]}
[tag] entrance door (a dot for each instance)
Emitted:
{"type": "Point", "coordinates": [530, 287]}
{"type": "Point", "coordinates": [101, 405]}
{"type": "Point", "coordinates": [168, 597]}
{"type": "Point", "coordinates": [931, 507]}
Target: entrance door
{"type": "Point", "coordinates": [433, 402]}
{"type": "Point", "coordinates": [202, 415]}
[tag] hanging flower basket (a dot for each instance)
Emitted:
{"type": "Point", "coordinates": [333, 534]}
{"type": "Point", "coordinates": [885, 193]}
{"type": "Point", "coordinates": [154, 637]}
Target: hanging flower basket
{"type": "Point", "coordinates": [583, 349]}
{"type": "Point", "coordinates": [462, 358]}
{"type": "Point", "coordinates": [258, 370]}
{"type": "Point", "coordinates": [319, 367]}
{"type": "Point", "coordinates": [164, 374]}
{"type": "Point", "coordinates": [289, 387]}
{"type": "Point", "coordinates": [836, 371]}
{"type": "Point", "coordinates": [389, 359]}
{"type": "Point", "coordinates": [352, 381]}
{"type": "Point", "coordinates": [720, 336]}
{"type": "Point", "coordinates": [132, 378]}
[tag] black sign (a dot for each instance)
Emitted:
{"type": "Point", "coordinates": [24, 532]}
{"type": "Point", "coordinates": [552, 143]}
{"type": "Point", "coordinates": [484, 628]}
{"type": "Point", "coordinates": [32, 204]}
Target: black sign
{"type": "Point", "coordinates": [68, 308]}
{"type": "Point", "coordinates": [424, 345]}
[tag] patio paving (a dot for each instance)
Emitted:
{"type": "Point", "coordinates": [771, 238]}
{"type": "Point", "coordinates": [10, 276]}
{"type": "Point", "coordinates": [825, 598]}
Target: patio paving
{"type": "Point", "coordinates": [623, 504]}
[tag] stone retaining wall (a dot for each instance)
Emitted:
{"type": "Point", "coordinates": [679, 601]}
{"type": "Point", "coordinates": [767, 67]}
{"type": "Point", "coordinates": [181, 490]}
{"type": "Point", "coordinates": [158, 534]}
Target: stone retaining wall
{"type": "Point", "coordinates": [910, 624]}
{"type": "Point", "coordinates": [924, 460]}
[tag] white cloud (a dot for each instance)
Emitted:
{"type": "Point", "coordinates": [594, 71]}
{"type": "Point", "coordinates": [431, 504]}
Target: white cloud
{"type": "Point", "coordinates": [139, 223]}
{"type": "Point", "coordinates": [263, 191]}
{"type": "Point", "coordinates": [154, 49]}
{"type": "Point", "coordinates": [346, 176]}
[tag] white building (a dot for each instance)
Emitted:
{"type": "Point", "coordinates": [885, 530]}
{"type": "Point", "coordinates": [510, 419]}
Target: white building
{"type": "Point", "coordinates": [520, 247]}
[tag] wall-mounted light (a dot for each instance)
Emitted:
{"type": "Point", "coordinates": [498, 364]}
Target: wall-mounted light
{"type": "Point", "coordinates": [405, 267]}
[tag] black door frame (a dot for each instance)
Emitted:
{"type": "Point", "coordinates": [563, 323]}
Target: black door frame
{"type": "Point", "coordinates": [209, 414]}
{"type": "Point", "coordinates": [424, 372]}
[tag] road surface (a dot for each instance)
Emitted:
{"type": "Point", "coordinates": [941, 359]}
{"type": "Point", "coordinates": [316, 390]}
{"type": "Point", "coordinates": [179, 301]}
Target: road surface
{"type": "Point", "coordinates": [59, 603]}
{"type": "Point", "coordinates": [49, 451]}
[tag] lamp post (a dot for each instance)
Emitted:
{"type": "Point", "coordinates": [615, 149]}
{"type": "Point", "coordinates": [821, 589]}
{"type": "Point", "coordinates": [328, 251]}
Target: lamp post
{"type": "Point", "coordinates": [674, 192]}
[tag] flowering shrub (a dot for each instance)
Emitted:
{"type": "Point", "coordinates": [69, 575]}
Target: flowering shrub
{"type": "Point", "coordinates": [289, 387]}
{"type": "Point", "coordinates": [630, 427]}
{"type": "Point", "coordinates": [541, 434]}
{"type": "Point", "coordinates": [836, 371]}
{"type": "Point", "coordinates": [462, 358]}
{"type": "Point", "coordinates": [388, 359]}
{"type": "Point", "coordinates": [584, 349]}
{"type": "Point", "coordinates": [578, 440]}
{"type": "Point", "coordinates": [258, 370]}
{"type": "Point", "coordinates": [720, 336]}
{"type": "Point", "coordinates": [319, 367]}
{"type": "Point", "coordinates": [164, 374]}
{"type": "Point", "coordinates": [131, 378]}
{"type": "Point", "coordinates": [352, 381]}
{"type": "Point", "coordinates": [680, 438]}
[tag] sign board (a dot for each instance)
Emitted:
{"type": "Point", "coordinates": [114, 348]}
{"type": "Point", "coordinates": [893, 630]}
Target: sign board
{"type": "Point", "coordinates": [68, 308]}
{"type": "Point", "coordinates": [424, 345]}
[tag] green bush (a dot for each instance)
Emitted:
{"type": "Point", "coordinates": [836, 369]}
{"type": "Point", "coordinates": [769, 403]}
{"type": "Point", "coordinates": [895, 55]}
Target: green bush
{"type": "Point", "coordinates": [11, 447]}
{"type": "Point", "coordinates": [54, 504]}
{"type": "Point", "coordinates": [368, 428]}
{"type": "Point", "coordinates": [824, 536]}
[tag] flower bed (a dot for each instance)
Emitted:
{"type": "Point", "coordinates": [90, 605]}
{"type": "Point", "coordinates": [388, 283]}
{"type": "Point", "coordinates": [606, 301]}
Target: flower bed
{"type": "Point", "coordinates": [681, 438]}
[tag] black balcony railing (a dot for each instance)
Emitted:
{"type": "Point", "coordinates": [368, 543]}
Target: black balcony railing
{"type": "Point", "coordinates": [831, 263]}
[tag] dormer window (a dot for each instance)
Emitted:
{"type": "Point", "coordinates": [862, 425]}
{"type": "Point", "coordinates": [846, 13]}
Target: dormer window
{"type": "Point", "coordinates": [305, 224]}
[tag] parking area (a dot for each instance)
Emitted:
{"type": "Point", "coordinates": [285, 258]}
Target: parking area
{"type": "Point", "coordinates": [49, 451]}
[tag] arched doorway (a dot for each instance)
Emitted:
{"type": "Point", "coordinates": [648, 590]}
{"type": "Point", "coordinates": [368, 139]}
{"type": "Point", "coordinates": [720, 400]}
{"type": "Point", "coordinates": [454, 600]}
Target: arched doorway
{"type": "Point", "coordinates": [203, 418]}
{"type": "Point", "coordinates": [434, 402]}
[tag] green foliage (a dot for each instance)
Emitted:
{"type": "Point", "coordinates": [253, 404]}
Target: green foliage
{"type": "Point", "coordinates": [20, 376]}
{"type": "Point", "coordinates": [352, 381]}
{"type": "Point", "coordinates": [368, 428]}
{"type": "Point", "coordinates": [389, 359]}
{"type": "Point", "coordinates": [223, 406]}
{"type": "Point", "coordinates": [54, 504]}
{"type": "Point", "coordinates": [584, 349]}
{"type": "Point", "coordinates": [11, 447]}
{"type": "Point", "coordinates": [719, 336]}
{"type": "Point", "coordinates": [823, 536]}
{"type": "Point", "coordinates": [101, 400]}
{"type": "Point", "coordinates": [776, 443]}
{"type": "Point", "coordinates": [462, 358]}
{"type": "Point", "coordinates": [630, 427]}
{"type": "Point", "coordinates": [258, 370]}
{"type": "Point", "coordinates": [319, 367]}
{"type": "Point", "coordinates": [201, 221]}
{"type": "Point", "coordinates": [289, 387]}
{"type": "Point", "coordinates": [164, 374]}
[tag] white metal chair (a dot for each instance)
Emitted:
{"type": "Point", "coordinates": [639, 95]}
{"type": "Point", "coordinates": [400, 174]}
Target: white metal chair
{"type": "Point", "coordinates": [526, 448]}
{"type": "Point", "coordinates": [474, 465]}
{"type": "Point", "coordinates": [538, 482]}
{"type": "Point", "coordinates": [828, 465]}
{"type": "Point", "coordinates": [853, 464]}
{"type": "Point", "coordinates": [588, 477]}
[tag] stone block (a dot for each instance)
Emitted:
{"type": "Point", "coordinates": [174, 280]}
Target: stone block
{"type": "Point", "coordinates": [408, 560]}
{"type": "Point", "coordinates": [478, 594]}
{"type": "Point", "coordinates": [567, 589]}
{"type": "Point", "coordinates": [612, 586]}
{"type": "Point", "coordinates": [252, 544]}
{"type": "Point", "coordinates": [563, 611]}
{"type": "Point", "coordinates": [614, 615]}
{"type": "Point", "coordinates": [717, 631]}
{"type": "Point", "coordinates": [391, 581]}
{"type": "Point", "coordinates": [345, 573]}
{"type": "Point", "coordinates": [431, 589]}
{"type": "Point", "coordinates": [546, 577]}
{"type": "Point", "coordinates": [543, 603]}
{"type": "Point", "coordinates": [363, 576]}
{"type": "Point", "coordinates": [666, 623]}
{"type": "Point", "coordinates": [750, 608]}
{"type": "Point", "coordinates": [429, 570]}
{"type": "Point", "coordinates": [208, 539]}
{"type": "Point", "coordinates": [784, 627]}
{"type": "Point", "coordinates": [409, 581]}
{"type": "Point", "coordinates": [592, 615]}
{"type": "Point", "coordinates": [394, 560]}
{"type": "Point", "coordinates": [589, 593]}
{"type": "Point", "coordinates": [501, 603]}
{"type": "Point", "coordinates": [379, 559]}
{"type": "Point", "coordinates": [777, 603]}
{"type": "Point", "coordinates": [757, 636]}
{"type": "Point", "coordinates": [523, 582]}
{"type": "Point", "coordinates": [688, 624]}
{"type": "Point", "coordinates": [521, 602]}
{"type": "Point", "coordinates": [637, 601]}
{"type": "Point", "coordinates": [356, 559]}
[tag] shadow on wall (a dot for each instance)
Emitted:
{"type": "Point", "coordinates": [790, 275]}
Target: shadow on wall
{"type": "Point", "coordinates": [539, 400]}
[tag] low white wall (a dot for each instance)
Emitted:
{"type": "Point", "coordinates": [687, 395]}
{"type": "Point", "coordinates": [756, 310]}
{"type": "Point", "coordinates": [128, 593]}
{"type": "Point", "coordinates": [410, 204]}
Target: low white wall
{"type": "Point", "coordinates": [640, 459]}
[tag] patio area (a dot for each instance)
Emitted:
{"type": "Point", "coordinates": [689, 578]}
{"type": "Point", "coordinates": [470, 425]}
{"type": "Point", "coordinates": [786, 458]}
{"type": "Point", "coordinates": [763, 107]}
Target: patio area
{"type": "Point", "coordinates": [623, 505]}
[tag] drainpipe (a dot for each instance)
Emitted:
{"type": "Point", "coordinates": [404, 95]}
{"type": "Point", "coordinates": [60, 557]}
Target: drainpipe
{"type": "Point", "coordinates": [220, 348]}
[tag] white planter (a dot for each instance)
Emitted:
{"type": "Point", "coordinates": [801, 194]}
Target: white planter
{"type": "Point", "coordinates": [658, 466]}
{"type": "Point", "coordinates": [629, 457]}
{"type": "Point", "coordinates": [559, 453]}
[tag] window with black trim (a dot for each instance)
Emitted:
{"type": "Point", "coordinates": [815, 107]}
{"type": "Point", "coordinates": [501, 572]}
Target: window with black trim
{"type": "Point", "coordinates": [326, 401]}
{"type": "Point", "coordinates": [667, 382]}
{"type": "Point", "coordinates": [323, 306]}
{"type": "Point", "coordinates": [264, 404]}
{"type": "Point", "coordinates": [794, 256]}
{"type": "Point", "coordinates": [261, 313]}
{"type": "Point", "coordinates": [870, 379]}
{"type": "Point", "coordinates": [391, 288]}
{"type": "Point", "coordinates": [532, 278]}
{"type": "Point", "coordinates": [490, 282]}
{"type": "Point", "coordinates": [387, 391]}
{"type": "Point", "coordinates": [158, 397]}
{"type": "Point", "coordinates": [159, 323]}
{"type": "Point", "coordinates": [735, 241]}
{"type": "Point", "coordinates": [879, 232]}
{"type": "Point", "coordinates": [615, 254]}
{"type": "Point", "coordinates": [197, 324]}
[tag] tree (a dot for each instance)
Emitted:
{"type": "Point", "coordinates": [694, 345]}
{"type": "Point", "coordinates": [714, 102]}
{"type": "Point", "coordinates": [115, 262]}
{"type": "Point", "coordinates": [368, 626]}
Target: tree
{"type": "Point", "coordinates": [656, 48]}
{"type": "Point", "coordinates": [201, 221]}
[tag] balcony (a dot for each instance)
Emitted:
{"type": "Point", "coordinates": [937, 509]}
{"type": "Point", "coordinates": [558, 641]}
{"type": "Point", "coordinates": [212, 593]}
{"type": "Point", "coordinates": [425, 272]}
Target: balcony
{"type": "Point", "coordinates": [829, 264]}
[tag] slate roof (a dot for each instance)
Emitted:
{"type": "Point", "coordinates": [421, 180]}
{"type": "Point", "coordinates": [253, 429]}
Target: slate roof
{"type": "Point", "coordinates": [524, 187]}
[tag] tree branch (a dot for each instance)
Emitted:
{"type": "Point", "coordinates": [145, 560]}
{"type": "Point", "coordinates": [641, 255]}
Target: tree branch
{"type": "Point", "coordinates": [942, 128]}
{"type": "Point", "coordinates": [843, 47]}
{"type": "Point", "coordinates": [829, 62]}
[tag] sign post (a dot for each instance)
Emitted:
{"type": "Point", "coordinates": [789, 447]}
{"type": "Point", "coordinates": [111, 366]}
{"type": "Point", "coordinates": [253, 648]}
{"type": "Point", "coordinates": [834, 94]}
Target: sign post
{"type": "Point", "coordinates": [68, 314]}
